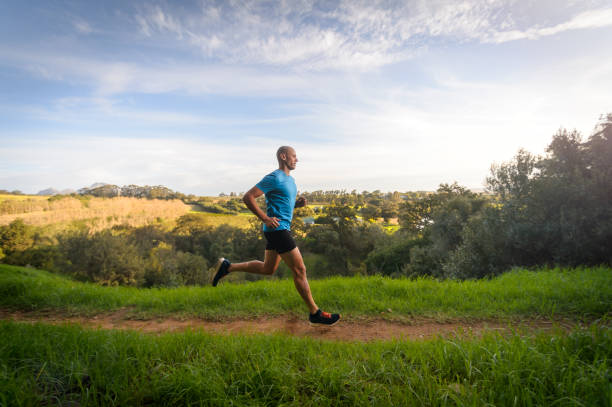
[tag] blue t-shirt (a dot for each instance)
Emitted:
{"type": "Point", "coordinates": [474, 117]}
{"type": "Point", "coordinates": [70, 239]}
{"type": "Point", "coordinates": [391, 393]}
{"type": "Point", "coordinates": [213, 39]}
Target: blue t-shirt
{"type": "Point", "coordinates": [280, 193]}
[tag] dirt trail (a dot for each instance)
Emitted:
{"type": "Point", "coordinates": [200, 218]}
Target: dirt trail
{"type": "Point", "coordinates": [364, 330]}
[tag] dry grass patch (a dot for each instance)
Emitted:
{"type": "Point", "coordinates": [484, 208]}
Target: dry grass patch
{"type": "Point", "coordinates": [102, 212]}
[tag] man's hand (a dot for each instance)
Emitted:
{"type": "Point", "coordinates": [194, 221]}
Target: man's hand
{"type": "Point", "coordinates": [271, 222]}
{"type": "Point", "coordinates": [301, 201]}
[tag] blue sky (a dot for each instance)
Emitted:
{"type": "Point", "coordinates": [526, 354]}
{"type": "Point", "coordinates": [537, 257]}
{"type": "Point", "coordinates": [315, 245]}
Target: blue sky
{"type": "Point", "coordinates": [197, 96]}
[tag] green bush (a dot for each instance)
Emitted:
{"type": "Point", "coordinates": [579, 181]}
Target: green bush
{"type": "Point", "coordinates": [102, 258]}
{"type": "Point", "coordinates": [170, 268]}
{"type": "Point", "coordinates": [391, 259]}
{"type": "Point", "coordinates": [16, 237]}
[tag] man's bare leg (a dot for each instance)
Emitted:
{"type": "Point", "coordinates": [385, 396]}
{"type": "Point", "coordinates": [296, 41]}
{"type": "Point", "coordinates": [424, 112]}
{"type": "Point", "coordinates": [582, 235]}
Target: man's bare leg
{"type": "Point", "coordinates": [294, 260]}
{"type": "Point", "coordinates": [266, 267]}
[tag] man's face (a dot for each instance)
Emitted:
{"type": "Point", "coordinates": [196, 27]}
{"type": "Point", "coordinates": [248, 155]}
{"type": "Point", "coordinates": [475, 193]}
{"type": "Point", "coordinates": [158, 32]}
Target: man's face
{"type": "Point", "coordinates": [291, 159]}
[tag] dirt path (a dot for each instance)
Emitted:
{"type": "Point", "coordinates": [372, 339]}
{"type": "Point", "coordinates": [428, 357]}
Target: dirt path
{"type": "Point", "coordinates": [364, 331]}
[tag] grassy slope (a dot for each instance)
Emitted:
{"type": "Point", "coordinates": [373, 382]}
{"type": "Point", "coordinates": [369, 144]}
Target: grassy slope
{"type": "Point", "coordinates": [41, 364]}
{"type": "Point", "coordinates": [241, 220]}
{"type": "Point", "coordinates": [9, 197]}
{"type": "Point", "coordinates": [583, 292]}
{"type": "Point", "coordinates": [70, 213]}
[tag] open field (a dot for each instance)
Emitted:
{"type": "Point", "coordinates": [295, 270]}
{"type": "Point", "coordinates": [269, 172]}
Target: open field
{"type": "Point", "coordinates": [10, 197]}
{"type": "Point", "coordinates": [574, 293]}
{"type": "Point", "coordinates": [98, 213]}
{"type": "Point", "coordinates": [241, 220]}
{"type": "Point", "coordinates": [43, 364]}
{"type": "Point", "coordinates": [69, 213]}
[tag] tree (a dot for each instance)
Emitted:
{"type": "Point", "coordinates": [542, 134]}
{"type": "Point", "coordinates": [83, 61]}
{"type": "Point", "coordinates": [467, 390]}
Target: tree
{"type": "Point", "coordinates": [16, 237]}
{"type": "Point", "coordinates": [167, 267]}
{"type": "Point", "coordinates": [389, 210]}
{"type": "Point", "coordinates": [550, 210]}
{"type": "Point", "coordinates": [511, 181]}
{"type": "Point", "coordinates": [416, 215]}
{"type": "Point", "coordinates": [370, 212]}
{"type": "Point", "coordinates": [102, 258]}
{"type": "Point", "coordinates": [105, 191]}
{"type": "Point", "coordinates": [390, 259]}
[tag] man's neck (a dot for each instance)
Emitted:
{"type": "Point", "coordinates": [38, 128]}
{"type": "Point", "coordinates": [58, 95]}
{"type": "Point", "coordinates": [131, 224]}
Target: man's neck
{"type": "Point", "coordinates": [284, 169]}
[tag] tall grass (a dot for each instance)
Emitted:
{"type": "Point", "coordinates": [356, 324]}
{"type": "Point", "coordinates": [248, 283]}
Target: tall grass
{"type": "Point", "coordinates": [101, 213]}
{"type": "Point", "coordinates": [10, 197]}
{"type": "Point", "coordinates": [240, 220]}
{"type": "Point", "coordinates": [67, 365]}
{"type": "Point", "coordinates": [581, 292]}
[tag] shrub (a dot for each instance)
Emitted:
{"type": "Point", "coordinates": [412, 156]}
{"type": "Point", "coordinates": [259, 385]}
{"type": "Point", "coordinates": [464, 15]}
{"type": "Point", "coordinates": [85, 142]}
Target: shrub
{"type": "Point", "coordinates": [166, 267]}
{"type": "Point", "coordinates": [388, 260]}
{"type": "Point", "coordinates": [103, 258]}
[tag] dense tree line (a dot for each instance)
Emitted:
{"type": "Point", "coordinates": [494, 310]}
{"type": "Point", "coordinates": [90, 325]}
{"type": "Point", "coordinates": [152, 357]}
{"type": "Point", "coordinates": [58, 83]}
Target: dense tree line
{"type": "Point", "coordinates": [548, 210]}
{"type": "Point", "coordinates": [539, 210]}
{"type": "Point", "coordinates": [139, 256]}
{"type": "Point", "coordinates": [134, 191]}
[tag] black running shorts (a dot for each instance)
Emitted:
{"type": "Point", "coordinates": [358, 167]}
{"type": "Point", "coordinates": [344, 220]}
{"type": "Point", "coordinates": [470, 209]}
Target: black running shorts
{"type": "Point", "coordinates": [280, 240]}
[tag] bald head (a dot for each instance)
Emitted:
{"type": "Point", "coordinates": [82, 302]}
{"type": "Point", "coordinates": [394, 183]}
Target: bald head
{"type": "Point", "coordinates": [286, 158]}
{"type": "Point", "coordinates": [283, 152]}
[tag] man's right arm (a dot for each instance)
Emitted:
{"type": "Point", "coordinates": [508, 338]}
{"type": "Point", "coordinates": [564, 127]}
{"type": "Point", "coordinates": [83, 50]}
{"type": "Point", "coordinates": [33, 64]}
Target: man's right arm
{"type": "Point", "coordinates": [249, 201]}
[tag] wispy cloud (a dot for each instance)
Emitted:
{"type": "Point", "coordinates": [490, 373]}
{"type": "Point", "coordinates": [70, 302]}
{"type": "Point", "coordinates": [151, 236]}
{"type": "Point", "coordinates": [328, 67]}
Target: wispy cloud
{"type": "Point", "coordinates": [376, 94]}
{"type": "Point", "coordinates": [82, 26]}
{"type": "Point", "coordinates": [114, 77]}
{"type": "Point", "coordinates": [271, 48]}
{"type": "Point", "coordinates": [588, 19]}
{"type": "Point", "coordinates": [360, 35]}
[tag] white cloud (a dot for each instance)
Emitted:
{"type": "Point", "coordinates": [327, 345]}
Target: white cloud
{"type": "Point", "coordinates": [374, 131]}
{"type": "Point", "coordinates": [588, 19]}
{"type": "Point", "coordinates": [354, 35]}
{"type": "Point", "coordinates": [287, 34]}
{"type": "Point", "coordinates": [111, 77]}
{"type": "Point", "coordinates": [397, 140]}
{"type": "Point", "coordinates": [82, 26]}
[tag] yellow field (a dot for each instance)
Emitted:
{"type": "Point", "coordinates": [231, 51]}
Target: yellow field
{"type": "Point", "coordinates": [216, 219]}
{"type": "Point", "coordinates": [7, 197]}
{"type": "Point", "coordinates": [97, 213]}
{"type": "Point", "coordinates": [102, 213]}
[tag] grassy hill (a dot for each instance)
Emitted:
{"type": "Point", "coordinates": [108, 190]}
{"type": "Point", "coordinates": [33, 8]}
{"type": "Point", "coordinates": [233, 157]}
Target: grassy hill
{"type": "Point", "coordinates": [100, 213]}
{"type": "Point", "coordinates": [240, 220]}
{"type": "Point", "coordinates": [54, 214]}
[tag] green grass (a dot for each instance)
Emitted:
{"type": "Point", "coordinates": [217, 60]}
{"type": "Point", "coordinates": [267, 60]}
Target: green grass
{"type": "Point", "coordinates": [577, 293]}
{"type": "Point", "coordinates": [67, 365]}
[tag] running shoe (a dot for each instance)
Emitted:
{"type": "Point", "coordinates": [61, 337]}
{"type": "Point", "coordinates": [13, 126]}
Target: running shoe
{"type": "Point", "coordinates": [323, 318]}
{"type": "Point", "coordinates": [221, 270]}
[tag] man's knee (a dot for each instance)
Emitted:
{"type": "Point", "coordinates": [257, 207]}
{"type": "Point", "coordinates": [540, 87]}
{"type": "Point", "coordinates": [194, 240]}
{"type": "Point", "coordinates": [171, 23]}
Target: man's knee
{"type": "Point", "coordinates": [299, 271]}
{"type": "Point", "coordinates": [269, 270]}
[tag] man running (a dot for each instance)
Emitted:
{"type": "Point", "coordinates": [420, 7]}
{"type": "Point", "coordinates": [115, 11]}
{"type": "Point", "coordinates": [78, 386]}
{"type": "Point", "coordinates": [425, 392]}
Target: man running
{"type": "Point", "coordinates": [281, 192]}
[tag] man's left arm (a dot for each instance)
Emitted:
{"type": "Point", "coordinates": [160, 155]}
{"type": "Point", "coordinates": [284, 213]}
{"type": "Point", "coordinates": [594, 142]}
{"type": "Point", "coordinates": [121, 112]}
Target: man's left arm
{"type": "Point", "coordinates": [301, 202]}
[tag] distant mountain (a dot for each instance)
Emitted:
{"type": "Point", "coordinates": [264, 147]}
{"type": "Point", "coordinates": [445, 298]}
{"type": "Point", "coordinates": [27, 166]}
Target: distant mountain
{"type": "Point", "coordinates": [53, 191]}
{"type": "Point", "coordinates": [87, 190]}
{"type": "Point", "coordinates": [48, 191]}
{"type": "Point", "coordinates": [98, 184]}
